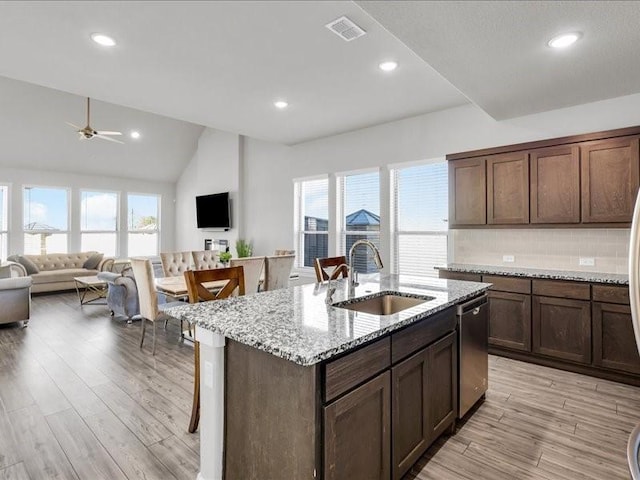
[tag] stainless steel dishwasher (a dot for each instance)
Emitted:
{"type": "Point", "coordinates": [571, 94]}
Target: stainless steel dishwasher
{"type": "Point", "coordinates": [473, 356]}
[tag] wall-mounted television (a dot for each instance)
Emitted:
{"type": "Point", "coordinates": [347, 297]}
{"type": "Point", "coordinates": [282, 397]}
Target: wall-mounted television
{"type": "Point", "coordinates": [213, 211]}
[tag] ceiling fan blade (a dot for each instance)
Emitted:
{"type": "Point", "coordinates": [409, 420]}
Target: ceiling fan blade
{"type": "Point", "coordinates": [74, 126]}
{"type": "Point", "coordinates": [108, 138]}
{"type": "Point", "coordinates": [105, 132]}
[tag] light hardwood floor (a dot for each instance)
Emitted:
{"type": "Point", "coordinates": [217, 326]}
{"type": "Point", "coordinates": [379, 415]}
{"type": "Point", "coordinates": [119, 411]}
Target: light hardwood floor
{"type": "Point", "coordinates": [78, 399]}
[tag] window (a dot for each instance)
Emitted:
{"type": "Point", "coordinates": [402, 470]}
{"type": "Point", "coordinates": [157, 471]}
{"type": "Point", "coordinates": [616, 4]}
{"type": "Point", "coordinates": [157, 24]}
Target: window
{"type": "Point", "coordinates": [99, 222]}
{"type": "Point", "coordinates": [420, 218]}
{"type": "Point", "coordinates": [45, 220]}
{"type": "Point", "coordinates": [4, 220]}
{"type": "Point", "coordinates": [143, 225]}
{"type": "Point", "coordinates": [359, 204]}
{"type": "Point", "coordinates": [312, 220]}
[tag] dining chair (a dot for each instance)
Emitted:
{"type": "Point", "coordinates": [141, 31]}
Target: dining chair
{"type": "Point", "coordinates": [174, 264]}
{"type": "Point", "coordinates": [338, 267]}
{"type": "Point", "coordinates": [150, 310]}
{"type": "Point", "coordinates": [196, 281]}
{"type": "Point", "coordinates": [285, 252]}
{"type": "Point", "coordinates": [277, 271]}
{"type": "Point", "coordinates": [206, 259]}
{"type": "Point", "coordinates": [252, 271]}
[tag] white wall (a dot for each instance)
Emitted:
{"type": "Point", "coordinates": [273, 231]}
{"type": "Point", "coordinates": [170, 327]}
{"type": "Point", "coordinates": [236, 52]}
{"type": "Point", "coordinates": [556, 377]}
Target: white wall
{"type": "Point", "coordinates": [214, 168]}
{"type": "Point", "coordinates": [16, 178]}
{"type": "Point", "coordinates": [268, 170]}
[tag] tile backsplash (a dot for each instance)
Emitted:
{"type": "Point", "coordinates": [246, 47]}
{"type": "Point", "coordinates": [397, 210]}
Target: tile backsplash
{"type": "Point", "coordinates": [552, 248]}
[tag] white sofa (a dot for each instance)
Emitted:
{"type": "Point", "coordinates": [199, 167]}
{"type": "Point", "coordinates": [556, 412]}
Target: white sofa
{"type": "Point", "coordinates": [57, 270]}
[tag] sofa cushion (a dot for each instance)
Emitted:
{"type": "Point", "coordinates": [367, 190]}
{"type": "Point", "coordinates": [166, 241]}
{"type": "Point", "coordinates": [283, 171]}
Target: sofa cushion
{"type": "Point", "coordinates": [29, 266]}
{"type": "Point", "coordinates": [93, 261]}
{"type": "Point", "coordinates": [66, 275]}
{"type": "Point", "coordinates": [60, 261]}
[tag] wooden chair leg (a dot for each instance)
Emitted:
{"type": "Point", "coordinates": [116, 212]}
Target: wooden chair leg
{"type": "Point", "coordinates": [144, 326]}
{"type": "Point", "coordinates": [195, 410]}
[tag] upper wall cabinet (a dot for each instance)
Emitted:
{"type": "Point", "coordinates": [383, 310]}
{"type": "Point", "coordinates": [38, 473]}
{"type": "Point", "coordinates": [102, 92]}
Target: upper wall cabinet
{"type": "Point", "coordinates": [610, 177]}
{"type": "Point", "coordinates": [508, 189]}
{"type": "Point", "coordinates": [555, 184]}
{"type": "Point", "coordinates": [467, 192]}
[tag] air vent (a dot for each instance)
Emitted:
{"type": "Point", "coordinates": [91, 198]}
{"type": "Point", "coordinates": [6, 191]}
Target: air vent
{"type": "Point", "coordinates": [345, 29]}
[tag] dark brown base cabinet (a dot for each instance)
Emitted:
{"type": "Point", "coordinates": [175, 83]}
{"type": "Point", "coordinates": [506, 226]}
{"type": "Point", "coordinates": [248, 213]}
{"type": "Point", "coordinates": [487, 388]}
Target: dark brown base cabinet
{"type": "Point", "coordinates": [614, 344]}
{"type": "Point", "coordinates": [571, 325]}
{"type": "Point", "coordinates": [357, 433]}
{"type": "Point", "coordinates": [424, 401]}
{"type": "Point", "coordinates": [510, 320]}
{"type": "Point", "coordinates": [562, 328]}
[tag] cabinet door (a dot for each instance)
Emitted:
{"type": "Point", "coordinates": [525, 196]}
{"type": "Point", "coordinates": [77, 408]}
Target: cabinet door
{"type": "Point", "coordinates": [614, 344]}
{"type": "Point", "coordinates": [510, 320]}
{"type": "Point", "coordinates": [562, 328]}
{"type": "Point", "coordinates": [508, 188]}
{"type": "Point", "coordinates": [442, 381]}
{"type": "Point", "coordinates": [410, 412]}
{"type": "Point", "coordinates": [357, 432]}
{"type": "Point", "coordinates": [610, 177]}
{"type": "Point", "coordinates": [555, 185]}
{"type": "Point", "coordinates": [467, 192]}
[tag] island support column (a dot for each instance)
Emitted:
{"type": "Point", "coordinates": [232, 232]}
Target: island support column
{"type": "Point", "coordinates": [211, 404]}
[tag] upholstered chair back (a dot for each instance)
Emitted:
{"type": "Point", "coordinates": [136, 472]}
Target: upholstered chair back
{"type": "Point", "coordinates": [147, 296]}
{"type": "Point", "coordinates": [285, 252]}
{"type": "Point", "coordinates": [252, 270]}
{"type": "Point", "coordinates": [175, 264]}
{"type": "Point", "coordinates": [277, 272]}
{"type": "Point", "coordinates": [206, 259]}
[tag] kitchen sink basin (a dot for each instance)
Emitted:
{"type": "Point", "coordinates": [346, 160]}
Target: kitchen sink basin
{"type": "Point", "coordinates": [383, 304]}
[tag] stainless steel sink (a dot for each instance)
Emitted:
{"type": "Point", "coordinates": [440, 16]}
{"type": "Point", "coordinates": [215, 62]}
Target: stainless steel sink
{"type": "Point", "coordinates": [383, 304]}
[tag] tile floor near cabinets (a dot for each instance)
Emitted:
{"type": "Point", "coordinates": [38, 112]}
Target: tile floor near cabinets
{"type": "Point", "coordinates": [79, 400]}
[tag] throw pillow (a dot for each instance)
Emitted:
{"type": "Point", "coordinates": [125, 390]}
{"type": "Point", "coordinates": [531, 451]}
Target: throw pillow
{"type": "Point", "coordinates": [92, 262]}
{"type": "Point", "coordinates": [5, 272]}
{"type": "Point", "coordinates": [29, 266]}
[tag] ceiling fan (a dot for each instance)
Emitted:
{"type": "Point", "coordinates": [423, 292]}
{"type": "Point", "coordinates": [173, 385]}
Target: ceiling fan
{"type": "Point", "coordinates": [88, 132]}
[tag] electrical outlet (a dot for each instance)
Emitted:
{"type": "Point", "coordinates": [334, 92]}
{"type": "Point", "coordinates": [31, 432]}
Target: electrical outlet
{"type": "Point", "coordinates": [508, 258]}
{"type": "Point", "coordinates": [587, 261]}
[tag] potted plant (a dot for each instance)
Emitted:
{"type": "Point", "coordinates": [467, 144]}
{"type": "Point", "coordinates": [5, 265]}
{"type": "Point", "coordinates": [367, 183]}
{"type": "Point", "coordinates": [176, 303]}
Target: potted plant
{"type": "Point", "coordinates": [244, 248]}
{"type": "Point", "coordinates": [225, 257]}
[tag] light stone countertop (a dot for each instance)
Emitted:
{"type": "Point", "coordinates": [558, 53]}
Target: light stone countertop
{"type": "Point", "coordinates": [296, 324]}
{"type": "Point", "coordinates": [593, 277]}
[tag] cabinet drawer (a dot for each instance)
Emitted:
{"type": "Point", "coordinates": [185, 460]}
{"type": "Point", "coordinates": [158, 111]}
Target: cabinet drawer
{"type": "Point", "coordinates": [508, 284]}
{"type": "Point", "coordinates": [346, 372]}
{"type": "Point", "coordinates": [421, 334]}
{"type": "Point", "coordinates": [469, 277]}
{"type": "Point", "coordinates": [555, 288]}
{"type": "Point", "coordinates": [605, 293]}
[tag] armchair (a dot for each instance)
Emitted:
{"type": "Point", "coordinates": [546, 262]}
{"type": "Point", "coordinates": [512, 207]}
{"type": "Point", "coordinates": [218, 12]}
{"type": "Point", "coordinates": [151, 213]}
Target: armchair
{"type": "Point", "coordinates": [15, 296]}
{"type": "Point", "coordinates": [122, 293]}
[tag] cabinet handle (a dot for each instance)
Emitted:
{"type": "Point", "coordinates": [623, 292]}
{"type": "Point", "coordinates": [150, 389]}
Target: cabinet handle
{"type": "Point", "coordinates": [476, 310]}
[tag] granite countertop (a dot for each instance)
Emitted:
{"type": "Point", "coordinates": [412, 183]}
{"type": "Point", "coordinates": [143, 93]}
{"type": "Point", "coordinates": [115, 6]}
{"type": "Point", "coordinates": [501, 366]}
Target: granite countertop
{"type": "Point", "coordinates": [296, 324]}
{"type": "Point", "coordinates": [594, 277]}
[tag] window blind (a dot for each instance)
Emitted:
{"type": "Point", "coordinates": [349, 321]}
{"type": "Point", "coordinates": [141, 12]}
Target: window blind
{"type": "Point", "coordinates": [420, 217]}
{"type": "Point", "coordinates": [313, 222]}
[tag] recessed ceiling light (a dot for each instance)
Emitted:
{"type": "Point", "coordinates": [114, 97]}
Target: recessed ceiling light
{"type": "Point", "coordinates": [281, 104]}
{"type": "Point", "coordinates": [135, 134]}
{"type": "Point", "coordinates": [388, 66]}
{"type": "Point", "coordinates": [564, 40]}
{"type": "Point", "coordinates": [104, 40]}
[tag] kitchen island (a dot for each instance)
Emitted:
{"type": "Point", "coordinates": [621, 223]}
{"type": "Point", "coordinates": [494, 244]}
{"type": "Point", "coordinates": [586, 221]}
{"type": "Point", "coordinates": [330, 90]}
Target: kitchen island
{"type": "Point", "coordinates": [294, 387]}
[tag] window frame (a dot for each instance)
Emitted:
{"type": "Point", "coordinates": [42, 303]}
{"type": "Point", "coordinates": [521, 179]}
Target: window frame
{"type": "Point", "coordinates": [396, 232]}
{"type": "Point", "coordinates": [67, 232]}
{"type": "Point", "coordinates": [341, 227]}
{"type": "Point", "coordinates": [298, 222]}
{"type": "Point", "coordinates": [141, 231]}
{"type": "Point", "coordinates": [116, 230]}
{"type": "Point", "coordinates": [4, 230]}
